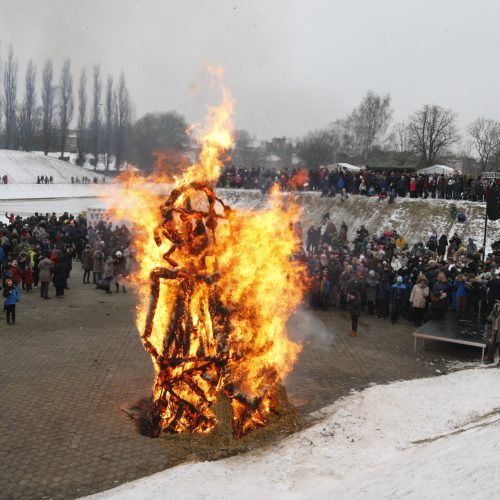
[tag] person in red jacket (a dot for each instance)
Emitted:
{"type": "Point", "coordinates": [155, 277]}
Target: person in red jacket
{"type": "Point", "coordinates": [413, 188]}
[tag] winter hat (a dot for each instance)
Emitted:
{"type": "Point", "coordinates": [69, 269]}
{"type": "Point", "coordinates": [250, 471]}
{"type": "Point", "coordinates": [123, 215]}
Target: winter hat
{"type": "Point", "coordinates": [400, 279]}
{"type": "Point", "coordinates": [118, 254]}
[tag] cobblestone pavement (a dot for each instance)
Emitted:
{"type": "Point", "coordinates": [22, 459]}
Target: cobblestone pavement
{"type": "Point", "coordinates": [69, 365]}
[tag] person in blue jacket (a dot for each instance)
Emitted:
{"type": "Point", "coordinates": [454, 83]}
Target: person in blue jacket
{"type": "Point", "coordinates": [399, 296]}
{"type": "Point", "coordinates": [11, 294]}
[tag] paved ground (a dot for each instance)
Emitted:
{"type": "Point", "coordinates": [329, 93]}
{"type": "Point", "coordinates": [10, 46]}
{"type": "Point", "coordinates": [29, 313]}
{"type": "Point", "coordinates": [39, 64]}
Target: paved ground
{"type": "Point", "coordinates": [69, 365]}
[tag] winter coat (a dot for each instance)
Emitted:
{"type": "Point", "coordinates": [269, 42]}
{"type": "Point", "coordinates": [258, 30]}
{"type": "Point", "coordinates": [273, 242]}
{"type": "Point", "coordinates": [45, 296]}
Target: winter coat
{"type": "Point", "coordinates": [98, 266]}
{"type": "Point", "coordinates": [108, 268]}
{"type": "Point", "coordinates": [398, 294]}
{"type": "Point", "coordinates": [418, 296]}
{"type": "Point", "coordinates": [371, 289]}
{"type": "Point", "coordinates": [45, 268]}
{"type": "Point", "coordinates": [459, 287]}
{"type": "Point", "coordinates": [354, 297]}
{"type": "Point", "coordinates": [442, 244]}
{"type": "Point", "coordinates": [471, 249]}
{"type": "Point", "coordinates": [494, 290]}
{"type": "Point", "coordinates": [87, 259]}
{"type": "Point", "coordinates": [11, 294]}
{"type": "Point", "coordinates": [383, 291]}
{"type": "Point", "coordinates": [120, 267]}
{"type": "Point", "coordinates": [59, 275]}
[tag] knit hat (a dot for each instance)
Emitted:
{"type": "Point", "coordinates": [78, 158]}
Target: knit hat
{"type": "Point", "coordinates": [400, 279]}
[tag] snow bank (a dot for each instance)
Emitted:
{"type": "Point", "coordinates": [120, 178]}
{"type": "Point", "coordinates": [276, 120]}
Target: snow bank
{"type": "Point", "coordinates": [415, 219]}
{"type": "Point", "coordinates": [421, 439]}
{"type": "Point", "coordinates": [23, 168]}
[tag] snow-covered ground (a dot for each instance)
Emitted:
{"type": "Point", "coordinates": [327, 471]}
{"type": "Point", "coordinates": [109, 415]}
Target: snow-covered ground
{"type": "Point", "coordinates": [23, 168]}
{"type": "Point", "coordinates": [73, 157]}
{"type": "Point", "coordinates": [432, 438]}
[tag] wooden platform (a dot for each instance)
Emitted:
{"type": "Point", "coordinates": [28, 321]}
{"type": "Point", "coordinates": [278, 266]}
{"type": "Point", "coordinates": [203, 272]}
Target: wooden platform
{"type": "Point", "coordinates": [453, 331]}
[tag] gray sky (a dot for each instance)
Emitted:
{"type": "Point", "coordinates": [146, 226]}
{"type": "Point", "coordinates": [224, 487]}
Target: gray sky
{"type": "Point", "coordinates": [291, 65]}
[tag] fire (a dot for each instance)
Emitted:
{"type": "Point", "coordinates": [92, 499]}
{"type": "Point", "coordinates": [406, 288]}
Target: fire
{"type": "Point", "coordinates": [216, 287]}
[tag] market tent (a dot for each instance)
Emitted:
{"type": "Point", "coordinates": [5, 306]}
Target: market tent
{"type": "Point", "coordinates": [437, 169]}
{"type": "Point", "coordinates": [348, 166]}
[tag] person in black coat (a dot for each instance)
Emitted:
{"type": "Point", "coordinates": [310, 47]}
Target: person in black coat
{"type": "Point", "coordinates": [354, 303]}
{"type": "Point", "coordinates": [59, 278]}
{"type": "Point", "coordinates": [67, 260]}
{"type": "Point", "coordinates": [442, 246]}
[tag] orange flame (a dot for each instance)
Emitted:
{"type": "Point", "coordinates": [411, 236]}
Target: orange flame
{"type": "Point", "coordinates": [299, 179]}
{"type": "Point", "coordinates": [216, 288]}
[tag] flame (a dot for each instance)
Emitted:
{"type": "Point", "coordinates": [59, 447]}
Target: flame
{"type": "Point", "coordinates": [299, 179]}
{"type": "Point", "coordinates": [216, 287]}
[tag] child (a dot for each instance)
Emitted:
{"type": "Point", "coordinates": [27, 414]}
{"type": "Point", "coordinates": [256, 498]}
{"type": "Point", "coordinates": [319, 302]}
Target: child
{"type": "Point", "coordinates": [11, 294]}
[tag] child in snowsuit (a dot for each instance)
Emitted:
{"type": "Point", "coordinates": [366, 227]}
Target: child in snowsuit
{"type": "Point", "coordinates": [11, 294]}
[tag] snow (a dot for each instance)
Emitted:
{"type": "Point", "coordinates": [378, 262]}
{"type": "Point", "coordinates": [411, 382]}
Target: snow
{"type": "Point", "coordinates": [23, 168]}
{"type": "Point", "coordinates": [421, 439]}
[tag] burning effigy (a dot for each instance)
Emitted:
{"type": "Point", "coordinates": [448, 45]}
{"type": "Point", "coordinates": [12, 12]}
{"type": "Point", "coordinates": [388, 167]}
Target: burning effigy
{"type": "Point", "coordinates": [216, 287]}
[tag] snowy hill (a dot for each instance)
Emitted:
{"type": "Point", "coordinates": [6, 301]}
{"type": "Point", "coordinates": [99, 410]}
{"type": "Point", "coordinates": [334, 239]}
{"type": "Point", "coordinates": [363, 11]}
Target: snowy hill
{"type": "Point", "coordinates": [413, 218]}
{"type": "Point", "coordinates": [23, 168]}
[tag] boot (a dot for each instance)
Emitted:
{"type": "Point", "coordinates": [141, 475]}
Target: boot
{"type": "Point", "coordinates": [353, 334]}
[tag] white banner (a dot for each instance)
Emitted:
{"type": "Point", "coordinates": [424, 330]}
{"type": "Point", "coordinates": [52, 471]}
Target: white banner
{"type": "Point", "coordinates": [95, 215]}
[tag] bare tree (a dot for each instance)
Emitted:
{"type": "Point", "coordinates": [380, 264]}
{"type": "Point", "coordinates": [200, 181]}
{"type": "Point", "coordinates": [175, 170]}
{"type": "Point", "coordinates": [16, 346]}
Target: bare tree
{"type": "Point", "coordinates": [122, 120]}
{"type": "Point", "coordinates": [10, 99]}
{"type": "Point", "coordinates": [65, 103]}
{"type": "Point", "coordinates": [109, 115]}
{"type": "Point", "coordinates": [400, 142]}
{"type": "Point", "coordinates": [48, 92]}
{"type": "Point", "coordinates": [369, 121]}
{"type": "Point", "coordinates": [485, 139]}
{"type": "Point", "coordinates": [158, 132]}
{"type": "Point", "coordinates": [95, 123]}
{"type": "Point", "coordinates": [318, 148]}
{"type": "Point", "coordinates": [432, 130]}
{"type": "Point", "coordinates": [82, 117]}
{"type": "Point", "coordinates": [28, 109]}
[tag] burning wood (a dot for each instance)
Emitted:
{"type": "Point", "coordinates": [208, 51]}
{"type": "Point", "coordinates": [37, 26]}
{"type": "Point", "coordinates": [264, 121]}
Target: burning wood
{"type": "Point", "coordinates": [216, 287]}
{"type": "Point", "coordinates": [193, 363]}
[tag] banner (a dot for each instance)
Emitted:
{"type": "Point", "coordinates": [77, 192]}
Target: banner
{"type": "Point", "coordinates": [95, 215]}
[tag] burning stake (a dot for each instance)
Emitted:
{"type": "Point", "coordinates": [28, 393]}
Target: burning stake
{"type": "Point", "coordinates": [193, 361]}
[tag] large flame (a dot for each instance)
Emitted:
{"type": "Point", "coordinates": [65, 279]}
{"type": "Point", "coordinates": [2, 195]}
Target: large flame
{"type": "Point", "coordinates": [216, 287]}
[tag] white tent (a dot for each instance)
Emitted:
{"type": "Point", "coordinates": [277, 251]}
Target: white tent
{"type": "Point", "coordinates": [437, 169]}
{"type": "Point", "coordinates": [348, 166]}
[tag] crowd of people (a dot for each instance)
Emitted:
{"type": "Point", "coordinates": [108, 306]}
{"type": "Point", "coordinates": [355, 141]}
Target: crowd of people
{"type": "Point", "coordinates": [365, 182]}
{"type": "Point", "coordinates": [377, 274]}
{"type": "Point", "coordinates": [40, 250]}
{"type": "Point", "coordinates": [383, 276]}
{"type": "Point", "coordinates": [46, 179]}
{"type": "Point", "coordinates": [87, 180]}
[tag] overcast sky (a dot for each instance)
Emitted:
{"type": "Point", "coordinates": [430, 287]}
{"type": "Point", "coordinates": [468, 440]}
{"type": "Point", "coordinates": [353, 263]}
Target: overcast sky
{"type": "Point", "coordinates": [291, 65]}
